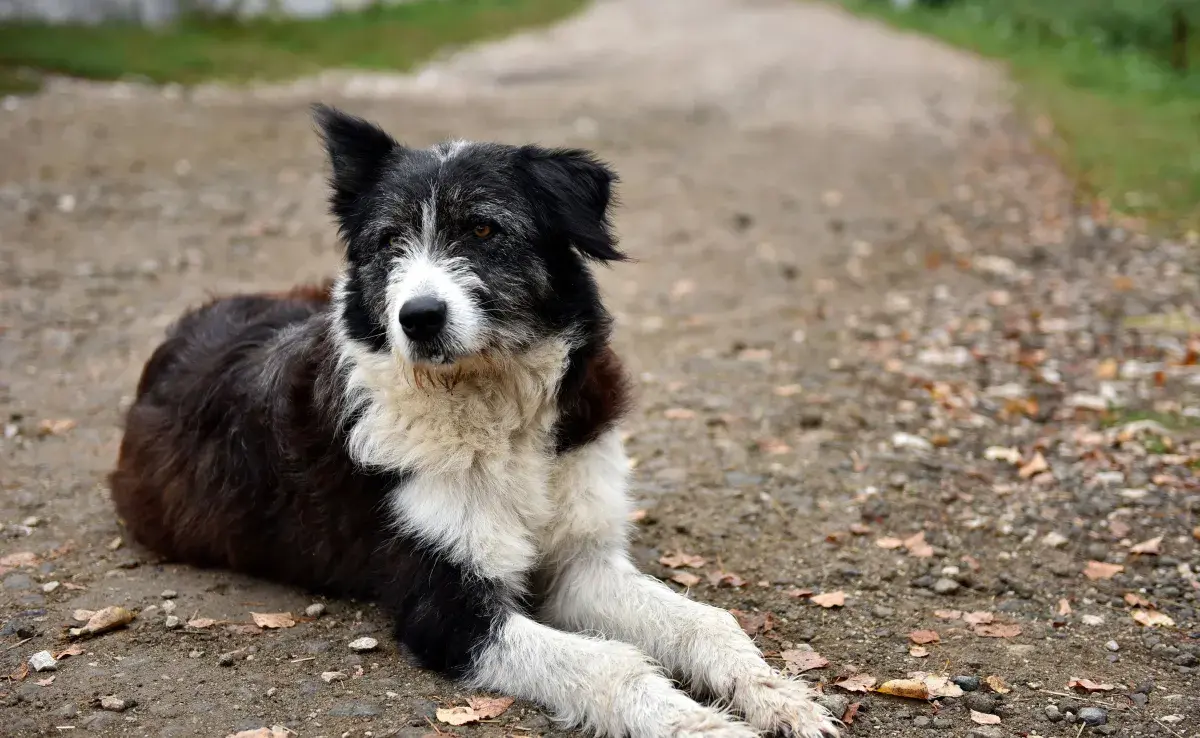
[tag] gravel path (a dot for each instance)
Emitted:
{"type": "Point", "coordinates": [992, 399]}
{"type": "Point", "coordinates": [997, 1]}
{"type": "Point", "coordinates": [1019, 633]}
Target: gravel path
{"type": "Point", "coordinates": [864, 309]}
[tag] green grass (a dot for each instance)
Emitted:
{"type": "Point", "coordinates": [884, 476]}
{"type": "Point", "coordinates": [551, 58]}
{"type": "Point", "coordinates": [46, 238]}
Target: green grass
{"type": "Point", "coordinates": [1126, 124]}
{"type": "Point", "coordinates": [199, 49]}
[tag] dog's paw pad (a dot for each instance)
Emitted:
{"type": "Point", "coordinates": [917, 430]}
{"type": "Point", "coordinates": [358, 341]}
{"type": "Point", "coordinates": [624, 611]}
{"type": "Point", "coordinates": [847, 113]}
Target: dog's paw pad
{"type": "Point", "coordinates": [778, 705]}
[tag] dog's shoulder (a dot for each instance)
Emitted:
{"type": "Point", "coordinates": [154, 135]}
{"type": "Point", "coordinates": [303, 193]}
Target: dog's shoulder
{"type": "Point", "coordinates": [594, 396]}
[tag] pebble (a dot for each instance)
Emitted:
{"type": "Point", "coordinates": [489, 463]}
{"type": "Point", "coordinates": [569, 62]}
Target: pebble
{"type": "Point", "coordinates": [985, 731]}
{"type": "Point", "coordinates": [945, 586]}
{"type": "Point", "coordinates": [18, 581]}
{"type": "Point", "coordinates": [67, 711]}
{"type": "Point", "coordinates": [966, 683]}
{"type": "Point", "coordinates": [227, 659]}
{"type": "Point", "coordinates": [942, 723]}
{"type": "Point", "coordinates": [172, 622]}
{"type": "Point", "coordinates": [1053, 713]}
{"type": "Point", "coordinates": [1113, 646]}
{"type": "Point", "coordinates": [315, 610]}
{"type": "Point", "coordinates": [835, 703]}
{"type": "Point", "coordinates": [115, 704]}
{"type": "Point", "coordinates": [1139, 699]}
{"type": "Point", "coordinates": [921, 721]}
{"type": "Point", "coordinates": [43, 661]}
{"type": "Point", "coordinates": [169, 594]}
{"type": "Point", "coordinates": [169, 606]}
{"type": "Point", "coordinates": [49, 587]}
{"type": "Point", "coordinates": [980, 702]}
{"type": "Point", "coordinates": [332, 676]}
{"type": "Point", "coordinates": [1093, 715]}
{"type": "Point", "coordinates": [364, 644]}
{"type": "Point", "coordinates": [880, 611]}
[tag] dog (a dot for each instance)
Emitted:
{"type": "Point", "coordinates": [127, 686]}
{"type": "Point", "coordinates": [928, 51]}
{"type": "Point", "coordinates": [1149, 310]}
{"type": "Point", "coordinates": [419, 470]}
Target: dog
{"type": "Point", "coordinates": [437, 430]}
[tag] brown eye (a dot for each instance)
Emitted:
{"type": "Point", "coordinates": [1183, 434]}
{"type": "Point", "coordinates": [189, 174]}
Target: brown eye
{"type": "Point", "coordinates": [482, 231]}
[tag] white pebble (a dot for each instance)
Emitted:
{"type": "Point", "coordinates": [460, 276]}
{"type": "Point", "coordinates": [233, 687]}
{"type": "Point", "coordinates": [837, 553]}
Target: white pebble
{"type": "Point", "coordinates": [43, 661]}
{"type": "Point", "coordinates": [315, 610]}
{"type": "Point", "coordinates": [364, 644]}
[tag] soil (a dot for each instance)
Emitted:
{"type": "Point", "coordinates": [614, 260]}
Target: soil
{"type": "Point", "coordinates": [864, 307]}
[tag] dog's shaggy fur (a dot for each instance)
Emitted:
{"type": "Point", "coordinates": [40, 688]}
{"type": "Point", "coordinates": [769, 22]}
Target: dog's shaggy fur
{"type": "Point", "coordinates": [437, 430]}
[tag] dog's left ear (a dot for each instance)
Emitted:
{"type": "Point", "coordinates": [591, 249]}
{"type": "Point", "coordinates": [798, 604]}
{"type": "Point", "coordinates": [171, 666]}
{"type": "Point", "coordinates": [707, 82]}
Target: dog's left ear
{"type": "Point", "coordinates": [578, 189]}
{"type": "Point", "coordinates": [358, 150]}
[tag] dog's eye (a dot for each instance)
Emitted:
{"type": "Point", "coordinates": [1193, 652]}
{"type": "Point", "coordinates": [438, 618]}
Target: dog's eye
{"type": "Point", "coordinates": [482, 230]}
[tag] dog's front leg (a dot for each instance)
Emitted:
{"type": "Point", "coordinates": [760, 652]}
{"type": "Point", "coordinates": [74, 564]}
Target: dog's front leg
{"type": "Point", "coordinates": [472, 630]}
{"type": "Point", "coordinates": [594, 587]}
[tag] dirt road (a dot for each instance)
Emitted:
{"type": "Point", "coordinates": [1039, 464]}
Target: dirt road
{"type": "Point", "coordinates": [854, 278]}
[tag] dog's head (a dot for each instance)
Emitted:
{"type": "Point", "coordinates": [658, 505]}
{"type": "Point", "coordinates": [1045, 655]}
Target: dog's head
{"type": "Point", "coordinates": [464, 248]}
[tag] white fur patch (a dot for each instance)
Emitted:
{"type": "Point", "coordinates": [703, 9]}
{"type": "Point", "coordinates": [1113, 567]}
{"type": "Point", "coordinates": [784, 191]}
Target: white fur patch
{"type": "Point", "coordinates": [605, 686]}
{"type": "Point", "coordinates": [588, 493]}
{"type": "Point", "coordinates": [422, 272]}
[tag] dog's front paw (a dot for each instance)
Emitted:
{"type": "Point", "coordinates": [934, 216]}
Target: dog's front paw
{"type": "Point", "coordinates": [777, 705]}
{"type": "Point", "coordinates": [709, 723]}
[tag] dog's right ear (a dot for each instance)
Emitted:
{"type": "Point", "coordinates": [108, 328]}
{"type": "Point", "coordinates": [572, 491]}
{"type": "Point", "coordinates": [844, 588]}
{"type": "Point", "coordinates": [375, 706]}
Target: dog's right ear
{"type": "Point", "coordinates": [358, 151]}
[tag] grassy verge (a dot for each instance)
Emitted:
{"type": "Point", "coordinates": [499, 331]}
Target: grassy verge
{"type": "Point", "coordinates": [198, 49]}
{"type": "Point", "coordinates": [1127, 125]}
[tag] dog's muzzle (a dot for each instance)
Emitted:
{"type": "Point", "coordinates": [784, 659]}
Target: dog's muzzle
{"type": "Point", "coordinates": [423, 318]}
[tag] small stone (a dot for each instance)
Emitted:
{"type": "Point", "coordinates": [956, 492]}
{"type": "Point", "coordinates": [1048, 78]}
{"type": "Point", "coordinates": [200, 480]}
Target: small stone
{"type": "Point", "coordinates": [1185, 659]}
{"type": "Point", "coordinates": [330, 677]}
{"type": "Point", "coordinates": [835, 703]}
{"type": "Point", "coordinates": [1139, 699]}
{"type": "Point", "coordinates": [921, 721]}
{"type": "Point", "coordinates": [49, 587]}
{"type": "Point", "coordinates": [966, 683]}
{"type": "Point", "coordinates": [169, 606]}
{"type": "Point", "coordinates": [980, 702]}
{"type": "Point", "coordinates": [173, 622]}
{"type": "Point", "coordinates": [1054, 539]}
{"type": "Point", "coordinates": [1053, 714]}
{"type": "Point", "coordinates": [169, 594]}
{"type": "Point", "coordinates": [1093, 715]}
{"type": "Point", "coordinates": [881, 611]}
{"type": "Point", "coordinates": [227, 659]}
{"type": "Point", "coordinates": [115, 704]}
{"type": "Point", "coordinates": [1113, 646]}
{"type": "Point", "coordinates": [271, 692]}
{"type": "Point", "coordinates": [945, 586]}
{"type": "Point", "coordinates": [942, 723]}
{"type": "Point", "coordinates": [985, 731]}
{"type": "Point", "coordinates": [43, 661]}
{"type": "Point", "coordinates": [67, 711]}
{"type": "Point", "coordinates": [364, 644]}
{"type": "Point", "coordinates": [32, 521]}
{"type": "Point", "coordinates": [315, 610]}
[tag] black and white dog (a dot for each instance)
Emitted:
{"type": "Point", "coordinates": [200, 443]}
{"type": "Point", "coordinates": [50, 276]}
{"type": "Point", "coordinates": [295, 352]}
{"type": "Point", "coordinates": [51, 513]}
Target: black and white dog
{"type": "Point", "coordinates": [437, 431]}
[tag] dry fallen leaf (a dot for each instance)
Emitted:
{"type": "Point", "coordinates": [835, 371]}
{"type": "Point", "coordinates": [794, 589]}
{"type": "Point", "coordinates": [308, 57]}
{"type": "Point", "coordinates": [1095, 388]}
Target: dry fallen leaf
{"type": "Point", "coordinates": [1001, 453]}
{"type": "Point", "coordinates": [637, 516]}
{"type": "Point", "coordinates": [1036, 465]}
{"type": "Point", "coordinates": [1095, 570]}
{"type": "Point", "coordinates": [1137, 600]}
{"type": "Point", "coordinates": [275, 731]}
{"type": "Point", "coordinates": [21, 558]}
{"type": "Point", "coordinates": [456, 715]}
{"type": "Point", "coordinates": [1088, 685]}
{"type": "Point", "coordinates": [680, 559]}
{"type": "Point", "coordinates": [998, 685]}
{"type": "Point", "coordinates": [75, 650]}
{"type": "Point", "coordinates": [948, 614]}
{"type": "Point", "coordinates": [687, 579]}
{"type": "Point", "coordinates": [1151, 547]}
{"type": "Point", "coordinates": [859, 529]}
{"type": "Point", "coordinates": [798, 662]}
{"type": "Point", "coordinates": [979, 617]}
{"type": "Point", "coordinates": [200, 623]}
{"type": "Point", "coordinates": [938, 686]}
{"type": "Point", "coordinates": [754, 622]}
{"type": "Point", "coordinates": [243, 629]}
{"type": "Point", "coordinates": [1064, 607]}
{"type": "Point", "coordinates": [83, 615]}
{"type": "Point", "coordinates": [889, 543]}
{"type": "Point", "coordinates": [725, 579]}
{"type": "Point", "coordinates": [910, 688]}
{"type": "Point", "coordinates": [103, 621]}
{"type": "Point", "coordinates": [273, 619]}
{"type": "Point", "coordinates": [830, 599]}
{"type": "Point", "coordinates": [984, 718]}
{"type": "Point", "coordinates": [856, 683]}
{"type": "Point", "coordinates": [850, 713]}
{"type": "Point", "coordinates": [489, 707]}
{"type": "Point", "coordinates": [56, 427]}
{"type": "Point", "coordinates": [1152, 619]}
{"type": "Point", "coordinates": [919, 652]}
{"type": "Point", "coordinates": [924, 636]}
{"type": "Point", "coordinates": [797, 592]}
{"type": "Point", "coordinates": [917, 546]}
{"type": "Point", "coordinates": [996, 630]}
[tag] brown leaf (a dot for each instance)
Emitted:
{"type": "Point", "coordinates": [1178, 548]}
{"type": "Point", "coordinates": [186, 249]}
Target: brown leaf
{"type": "Point", "coordinates": [275, 731]}
{"type": "Point", "coordinates": [75, 650]}
{"type": "Point", "coordinates": [850, 713]}
{"type": "Point", "coordinates": [919, 652]}
{"type": "Point", "coordinates": [456, 715]}
{"type": "Point", "coordinates": [1151, 547]}
{"type": "Point", "coordinates": [83, 615]}
{"type": "Point", "coordinates": [798, 662]}
{"type": "Point", "coordinates": [1064, 607]}
{"type": "Point", "coordinates": [1095, 570]}
{"type": "Point", "coordinates": [110, 618]}
{"type": "Point", "coordinates": [984, 718]}
{"type": "Point", "coordinates": [889, 543]}
{"type": "Point", "coordinates": [922, 637]}
{"type": "Point", "coordinates": [56, 427]}
{"type": "Point", "coordinates": [797, 592]}
{"type": "Point", "coordinates": [680, 559]}
{"type": "Point", "coordinates": [687, 579]}
{"type": "Point", "coordinates": [21, 558]}
{"type": "Point", "coordinates": [201, 623]}
{"type": "Point", "coordinates": [917, 546]}
{"type": "Point", "coordinates": [996, 630]}
{"type": "Point", "coordinates": [243, 629]}
{"type": "Point", "coordinates": [830, 599]}
{"type": "Point", "coordinates": [948, 614]}
{"type": "Point", "coordinates": [1036, 465]}
{"type": "Point", "coordinates": [754, 622]}
{"type": "Point", "coordinates": [20, 674]}
{"type": "Point", "coordinates": [911, 688]}
{"type": "Point", "coordinates": [856, 683]}
{"type": "Point", "coordinates": [489, 707]}
{"type": "Point", "coordinates": [1088, 685]}
{"type": "Point", "coordinates": [859, 529]}
{"type": "Point", "coordinates": [938, 686]}
{"type": "Point", "coordinates": [45, 682]}
{"type": "Point", "coordinates": [1119, 528]}
{"type": "Point", "coordinates": [998, 685]}
{"type": "Point", "coordinates": [1137, 600]}
{"type": "Point", "coordinates": [979, 617]}
{"type": "Point", "coordinates": [273, 619]}
{"type": "Point", "coordinates": [1152, 619]}
{"type": "Point", "coordinates": [725, 579]}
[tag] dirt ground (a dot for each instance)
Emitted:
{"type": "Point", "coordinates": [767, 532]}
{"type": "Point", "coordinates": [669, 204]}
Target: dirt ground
{"type": "Point", "coordinates": [863, 309]}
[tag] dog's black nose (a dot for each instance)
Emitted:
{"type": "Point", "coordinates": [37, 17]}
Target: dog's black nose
{"type": "Point", "coordinates": [422, 318]}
